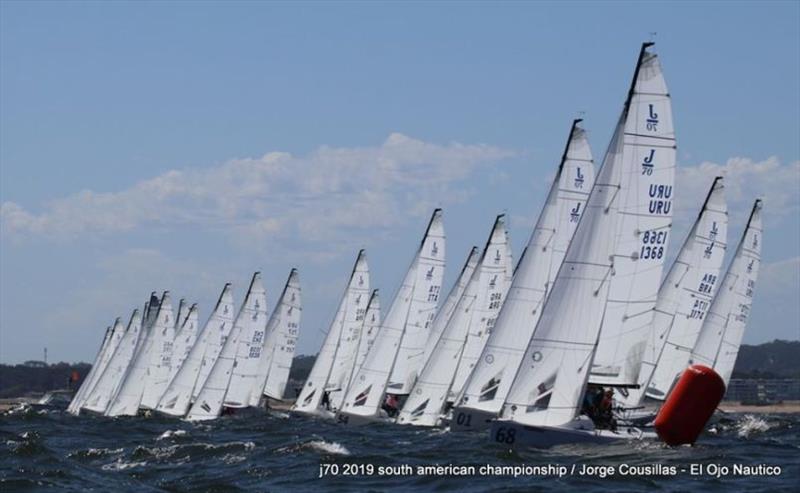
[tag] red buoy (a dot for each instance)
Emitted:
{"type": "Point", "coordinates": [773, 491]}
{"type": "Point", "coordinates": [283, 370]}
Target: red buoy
{"type": "Point", "coordinates": [690, 405]}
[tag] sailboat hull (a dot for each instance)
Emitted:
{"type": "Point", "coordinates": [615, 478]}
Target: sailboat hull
{"type": "Point", "coordinates": [517, 435]}
{"type": "Point", "coordinates": [466, 419]}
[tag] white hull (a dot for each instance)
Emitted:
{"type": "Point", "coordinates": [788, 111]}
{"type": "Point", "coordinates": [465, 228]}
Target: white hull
{"type": "Point", "coordinates": [514, 434]}
{"type": "Point", "coordinates": [359, 420]}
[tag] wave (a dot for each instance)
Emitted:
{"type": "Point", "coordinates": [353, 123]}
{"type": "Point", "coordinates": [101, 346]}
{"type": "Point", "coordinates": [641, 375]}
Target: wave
{"type": "Point", "coordinates": [751, 424]}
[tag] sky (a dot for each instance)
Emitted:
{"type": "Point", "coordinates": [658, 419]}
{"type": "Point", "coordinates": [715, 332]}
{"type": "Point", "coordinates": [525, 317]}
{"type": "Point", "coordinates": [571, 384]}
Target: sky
{"type": "Point", "coordinates": [180, 145]}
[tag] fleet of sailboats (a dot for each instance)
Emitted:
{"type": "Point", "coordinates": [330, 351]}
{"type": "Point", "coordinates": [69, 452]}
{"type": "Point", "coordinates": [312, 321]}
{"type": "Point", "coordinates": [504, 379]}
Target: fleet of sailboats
{"type": "Point", "coordinates": [520, 351]}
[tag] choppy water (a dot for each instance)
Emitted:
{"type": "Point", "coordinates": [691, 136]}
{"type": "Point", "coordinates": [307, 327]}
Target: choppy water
{"type": "Point", "coordinates": [52, 450]}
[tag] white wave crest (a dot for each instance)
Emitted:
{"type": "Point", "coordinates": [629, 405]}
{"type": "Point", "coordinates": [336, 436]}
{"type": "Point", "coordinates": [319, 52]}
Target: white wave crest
{"type": "Point", "coordinates": [119, 465]}
{"type": "Point", "coordinates": [751, 424]}
{"type": "Point", "coordinates": [171, 433]}
{"type": "Point", "coordinates": [334, 448]}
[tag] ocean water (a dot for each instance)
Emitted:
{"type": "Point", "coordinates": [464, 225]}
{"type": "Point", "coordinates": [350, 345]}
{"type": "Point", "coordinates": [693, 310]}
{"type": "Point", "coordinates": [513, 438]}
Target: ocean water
{"type": "Point", "coordinates": [52, 450]}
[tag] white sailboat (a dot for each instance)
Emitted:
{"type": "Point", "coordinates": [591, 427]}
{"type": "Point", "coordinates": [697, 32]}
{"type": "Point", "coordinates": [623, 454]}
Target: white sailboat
{"type": "Point", "coordinates": [128, 396]}
{"type": "Point", "coordinates": [324, 388]}
{"type": "Point", "coordinates": [724, 326]}
{"type": "Point", "coordinates": [114, 339]}
{"type": "Point", "coordinates": [189, 379]}
{"type": "Point", "coordinates": [98, 400]}
{"type": "Point", "coordinates": [252, 338]}
{"type": "Point", "coordinates": [487, 387]}
{"type": "Point", "coordinates": [160, 367]}
{"type": "Point", "coordinates": [683, 300]}
{"type": "Point", "coordinates": [446, 311]}
{"type": "Point", "coordinates": [420, 289]}
{"type": "Point", "coordinates": [283, 328]}
{"type": "Point", "coordinates": [544, 404]}
{"type": "Point", "coordinates": [462, 338]}
{"type": "Point", "coordinates": [79, 397]}
{"type": "Point", "coordinates": [251, 316]}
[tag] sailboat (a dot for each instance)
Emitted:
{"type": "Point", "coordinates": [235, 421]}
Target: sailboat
{"type": "Point", "coordinates": [185, 338]}
{"type": "Point", "coordinates": [128, 396]}
{"type": "Point", "coordinates": [74, 406]}
{"type": "Point", "coordinates": [411, 312]}
{"type": "Point", "coordinates": [683, 300]}
{"type": "Point", "coordinates": [191, 377]}
{"type": "Point", "coordinates": [98, 400]}
{"type": "Point", "coordinates": [464, 334]}
{"type": "Point", "coordinates": [487, 386]}
{"type": "Point", "coordinates": [724, 326]}
{"type": "Point", "coordinates": [543, 407]}
{"type": "Point", "coordinates": [250, 318]}
{"type": "Point", "coordinates": [323, 390]}
{"type": "Point", "coordinates": [283, 328]}
{"type": "Point", "coordinates": [160, 366]}
{"type": "Point", "coordinates": [367, 334]}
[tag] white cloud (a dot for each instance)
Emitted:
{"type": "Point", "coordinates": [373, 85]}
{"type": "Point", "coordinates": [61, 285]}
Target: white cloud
{"type": "Point", "coordinates": [315, 197]}
{"type": "Point", "coordinates": [776, 312]}
{"type": "Point", "coordinates": [745, 180]}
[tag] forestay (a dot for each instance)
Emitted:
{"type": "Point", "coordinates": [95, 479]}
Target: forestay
{"type": "Point", "coordinates": [283, 329]}
{"type": "Point", "coordinates": [472, 316]}
{"type": "Point", "coordinates": [548, 387]}
{"type": "Point", "coordinates": [368, 387]}
{"type": "Point", "coordinates": [348, 314]}
{"type": "Point", "coordinates": [645, 207]}
{"type": "Point", "coordinates": [204, 353]}
{"type": "Point", "coordinates": [723, 329]}
{"type": "Point", "coordinates": [208, 404]}
{"type": "Point", "coordinates": [684, 299]}
{"type": "Point", "coordinates": [487, 387]}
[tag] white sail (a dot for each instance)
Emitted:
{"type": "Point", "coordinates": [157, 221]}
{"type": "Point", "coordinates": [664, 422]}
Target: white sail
{"type": "Point", "coordinates": [723, 329]}
{"type": "Point", "coordinates": [472, 317]}
{"type": "Point", "coordinates": [79, 397]}
{"type": "Point", "coordinates": [487, 387]}
{"type": "Point", "coordinates": [160, 367]}
{"type": "Point", "coordinates": [422, 311]}
{"type": "Point", "coordinates": [348, 315]}
{"type": "Point", "coordinates": [369, 385]}
{"type": "Point", "coordinates": [97, 401]}
{"type": "Point", "coordinates": [369, 330]}
{"type": "Point", "coordinates": [185, 339]}
{"type": "Point", "coordinates": [283, 330]}
{"type": "Point", "coordinates": [252, 336]}
{"type": "Point", "coordinates": [446, 311]}
{"type": "Point", "coordinates": [128, 396]}
{"type": "Point", "coordinates": [549, 385]}
{"type": "Point", "coordinates": [645, 208]}
{"type": "Point", "coordinates": [203, 354]}
{"type": "Point", "coordinates": [183, 311]}
{"type": "Point", "coordinates": [684, 299]}
{"type": "Point", "coordinates": [212, 393]}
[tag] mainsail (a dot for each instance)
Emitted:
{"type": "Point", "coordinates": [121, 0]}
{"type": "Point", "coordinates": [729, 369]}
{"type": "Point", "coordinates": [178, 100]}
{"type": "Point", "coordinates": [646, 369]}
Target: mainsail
{"type": "Point", "coordinates": [645, 208]}
{"type": "Point", "coordinates": [549, 385]}
{"type": "Point", "coordinates": [158, 372]}
{"type": "Point", "coordinates": [203, 354]}
{"type": "Point", "coordinates": [369, 330]}
{"type": "Point", "coordinates": [97, 401]}
{"type": "Point", "coordinates": [473, 316]}
{"type": "Point", "coordinates": [329, 373]}
{"type": "Point", "coordinates": [283, 329]}
{"type": "Point", "coordinates": [80, 396]}
{"type": "Point", "coordinates": [487, 387]}
{"type": "Point", "coordinates": [369, 384]}
{"type": "Point", "coordinates": [723, 329]}
{"type": "Point", "coordinates": [446, 311]}
{"type": "Point", "coordinates": [684, 299]}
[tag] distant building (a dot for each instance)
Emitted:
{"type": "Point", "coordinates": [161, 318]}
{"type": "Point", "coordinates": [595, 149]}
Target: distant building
{"type": "Point", "coordinates": [35, 364]}
{"type": "Point", "coordinates": [756, 391]}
